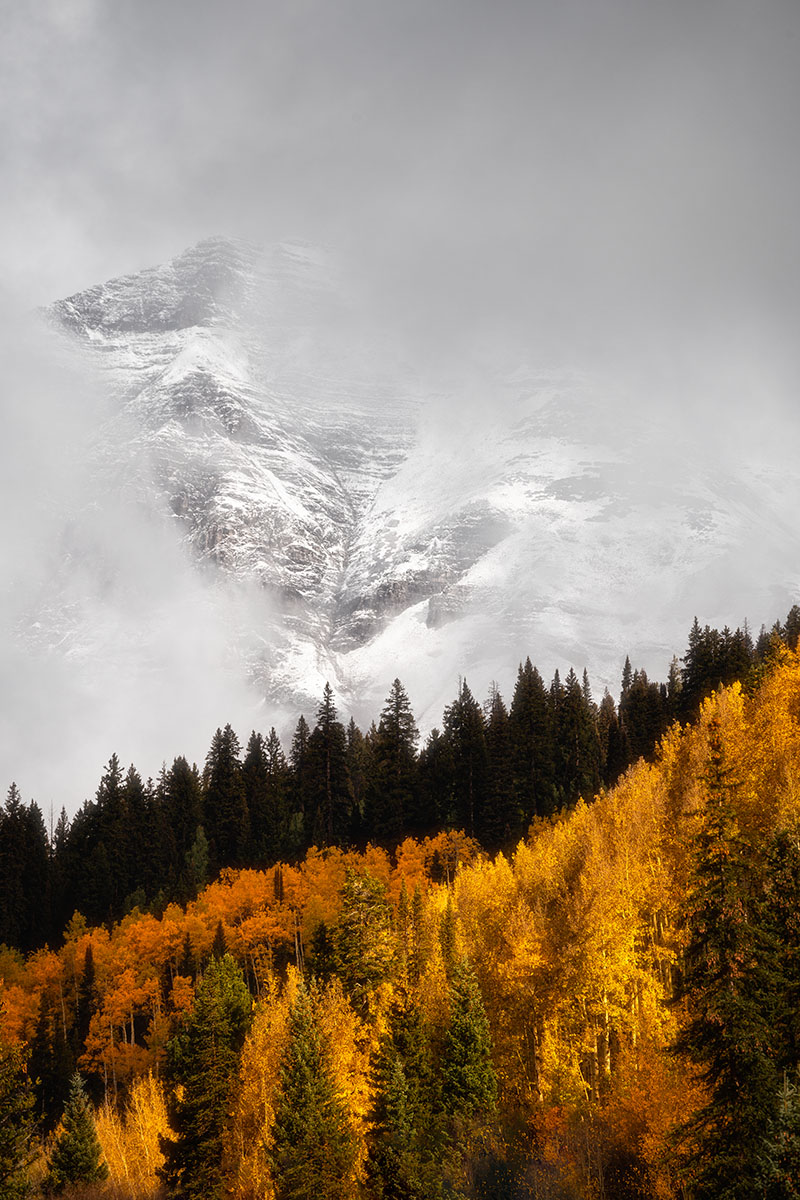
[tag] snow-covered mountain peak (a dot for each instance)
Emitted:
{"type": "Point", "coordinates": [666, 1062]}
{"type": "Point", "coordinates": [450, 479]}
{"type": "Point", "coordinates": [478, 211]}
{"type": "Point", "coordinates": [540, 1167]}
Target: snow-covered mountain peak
{"type": "Point", "coordinates": [346, 523]}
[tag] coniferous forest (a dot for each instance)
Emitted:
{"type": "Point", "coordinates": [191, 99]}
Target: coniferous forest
{"type": "Point", "coordinates": [551, 952]}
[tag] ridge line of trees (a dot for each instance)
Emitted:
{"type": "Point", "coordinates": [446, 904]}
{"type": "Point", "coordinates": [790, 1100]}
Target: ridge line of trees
{"type": "Point", "coordinates": [490, 770]}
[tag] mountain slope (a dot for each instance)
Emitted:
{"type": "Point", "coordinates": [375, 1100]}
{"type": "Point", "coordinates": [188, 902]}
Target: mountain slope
{"type": "Point", "coordinates": [339, 520]}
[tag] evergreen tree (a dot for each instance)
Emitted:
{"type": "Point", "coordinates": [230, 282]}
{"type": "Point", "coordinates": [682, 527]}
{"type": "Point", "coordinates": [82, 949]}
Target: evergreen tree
{"type": "Point", "coordinates": [728, 995]}
{"type": "Point", "coordinates": [362, 938]}
{"type": "Point", "coordinates": [469, 1084]}
{"type": "Point", "coordinates": [361, 767]}
{"type": "Point", "coordinates": [531, 733]}
{"type": "Point", "coordinates": [392, 796]}
{"type": "Point", "coordinates": [465, 732]}
{"type": "Point", "coordinates": [502, 820]}
{"type": "Point", "coordinates": [203, 1057]}
{"type": "Point", "coordinates": [24, 874]}
{"type": "Point", "coordinates": [577, 742]}
{"type": "Point", "coordinates": [435, 783]}
{"type": "Point", "coordinates": [778, 1177]}
{"type": "Point", "coordinates": [226, 818]}
{"type": "Point", "coordinates": [403, 1162]}
{"type": "Point", "coordinates": [16, 1121]}
{"type": "Point", "coordinates": [76, 1156]}
{"type": "Point", "coordinates": [183, 809]}
{"type": "Point", "coordinates": [300, 802]}
{"type": "Point", "coordinates": [255, 777]}
{"type": "Point", "coordinates": [330, 791]}
{"type": "Point", "coordinates": [51, 1064]}
{"type": "Point", "coordinates": [313, 1147]}
{"type": "Point", "coordinates": [87, 1001]}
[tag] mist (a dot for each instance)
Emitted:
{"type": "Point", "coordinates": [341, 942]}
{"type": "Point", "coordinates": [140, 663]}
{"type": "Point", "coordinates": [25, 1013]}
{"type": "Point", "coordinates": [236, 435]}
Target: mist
{"type": "Point", "coordinates": [132, 650]}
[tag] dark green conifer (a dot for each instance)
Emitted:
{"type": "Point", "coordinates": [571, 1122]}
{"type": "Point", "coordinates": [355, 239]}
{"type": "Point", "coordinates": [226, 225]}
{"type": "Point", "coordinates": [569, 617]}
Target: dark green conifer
{"type": "Point", "coordinates": [728, 992]}
{"type": "Point", "coordinates": [403, 1144]}
{"type": "Point", "coordinates": [76, 1156]}
{"type": "Point", "coordinates": [469, 1084]}
{"type": "Point", "coordinates": [313, 1146]}
{"type": "Point", "coordinates": [532, 749]}
{"type": "Point", "coordinates": [465, 733]}
{"type": "Point", "coordinates": [362, 938]}
{"type": "Point", "coordinates": [392, 798]}
{"type": "Point", "coordinates": [204, 1057]}
{"type": "Point", "coordinates": [226, 820]}
{"type": "Point", "coordinates": [330, 791]}
{"type": "Point", "coordinates": [501, 822]}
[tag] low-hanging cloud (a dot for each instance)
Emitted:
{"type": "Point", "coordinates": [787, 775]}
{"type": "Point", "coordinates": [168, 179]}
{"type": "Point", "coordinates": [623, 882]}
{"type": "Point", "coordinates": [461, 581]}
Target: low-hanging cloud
{"type": "Point", "coordinates": [112, 641]}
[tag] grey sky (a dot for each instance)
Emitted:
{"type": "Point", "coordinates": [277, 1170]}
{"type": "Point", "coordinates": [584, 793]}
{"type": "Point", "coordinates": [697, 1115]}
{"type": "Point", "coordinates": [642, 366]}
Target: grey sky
{"type": "Point", "coordinates": [564, 177]}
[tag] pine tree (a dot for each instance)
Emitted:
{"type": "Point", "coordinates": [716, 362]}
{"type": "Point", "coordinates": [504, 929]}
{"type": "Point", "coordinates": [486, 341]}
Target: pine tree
{"type": "Point", "coordinates": [203, 1057]}
{"type": "Point", "coordinates": [392, 797]}
{"type": "Point", "coordinates": [16, 1120]}
{"type": "Point", "coordinates": [403, 1162]}
{"type": "Point", "coordinates": [465, 733]}
{"type": "Point", "coordinates": [362, 938]}
{"type": "Point", "coordinates": [51, 1064]}
{"type": "Point", "coordinates": [330, 791]}
{"type": "Point", "coordinates": [266, 779]}
{"type": "Point", "coordinates": [313, 1147]}
{"type": "Point", "coordinates": [226, 821]}
{"type": "Point", "coordinates": [501, 820]}
{"type": "Point", "coordinates": [183, 811]}
{"type": "Point", "coordinates": [300, 802]}
{"type": "Point", "coordinates": [729, 1034]}
{"type": "Point", "coordinates": [532, 749]}
{"type": "Point", "coordinates": [76, 1156]}
{"type": "Point", "coordinates": [469, 1084]}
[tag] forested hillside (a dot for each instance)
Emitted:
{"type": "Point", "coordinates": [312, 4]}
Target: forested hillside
{"type": "Point", "coordinates": [607, 1008]}
{"type": "Point", "coordinates": [489, 771]}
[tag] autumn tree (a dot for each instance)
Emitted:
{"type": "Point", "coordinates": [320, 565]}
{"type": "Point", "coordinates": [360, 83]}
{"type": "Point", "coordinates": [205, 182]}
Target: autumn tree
{"type": "Point", "coordinates": [16, 1120]}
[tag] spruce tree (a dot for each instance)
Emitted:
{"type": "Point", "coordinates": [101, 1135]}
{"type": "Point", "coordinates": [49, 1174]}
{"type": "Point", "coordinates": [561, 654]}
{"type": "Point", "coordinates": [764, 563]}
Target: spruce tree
{"type": "Point", "coordinates": [362, 938]}
{"type": "Point", "coordinates": [728, 993]}
{"type": "Point", "coordinates": [76, 1156]}
{"type": "Point", "coordinates": [203, 1057]}
{"type": "Point", "coordinates": [392, 797]}
{"type": "Point", "coordinates": [226, 821]}
{"type": "Point", "coordinates": [300, 803]}
{"type": "Point", "coordinates": [313, 1149]}
{"type": "Point", "coordinates": [532, 750]}
{"type": "Point", "coordinates": [501, 820]}
{"type": "Point", "coordinates": [465, 733]}
{"type": "Point", "coordinates": [469, 1084]}
{"type": "Point", "coordinates": [403, 1144]}
{"type": "Point", "coordinates": [330, 791]}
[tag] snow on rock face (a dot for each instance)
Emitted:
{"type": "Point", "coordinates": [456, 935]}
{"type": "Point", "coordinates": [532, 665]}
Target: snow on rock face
{"type": "Point", "coordinates": [374, 538]}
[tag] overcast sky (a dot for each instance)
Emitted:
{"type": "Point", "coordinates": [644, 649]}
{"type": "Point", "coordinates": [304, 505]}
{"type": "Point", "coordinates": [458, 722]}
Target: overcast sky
{"type": "Point", "coordinates": [562, 176]}
{"type": "Point", "coordinates": [611, 184]}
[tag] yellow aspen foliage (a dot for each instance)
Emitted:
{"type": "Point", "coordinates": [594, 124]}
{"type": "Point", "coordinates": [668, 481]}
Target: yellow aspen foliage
{"type": "Point", "coordinates": [130, 1140]}
{"type": "Point", "coordinates": [250, 1139]}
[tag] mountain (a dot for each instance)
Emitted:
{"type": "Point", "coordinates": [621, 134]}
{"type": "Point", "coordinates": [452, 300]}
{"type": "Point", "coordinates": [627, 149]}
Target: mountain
{"type": "Point", "coordinates": [344, 521]}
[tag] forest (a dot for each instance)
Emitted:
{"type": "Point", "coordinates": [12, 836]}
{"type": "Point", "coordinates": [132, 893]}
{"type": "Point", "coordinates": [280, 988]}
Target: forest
{"type": "Point", "coordinates": [554, 953]}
